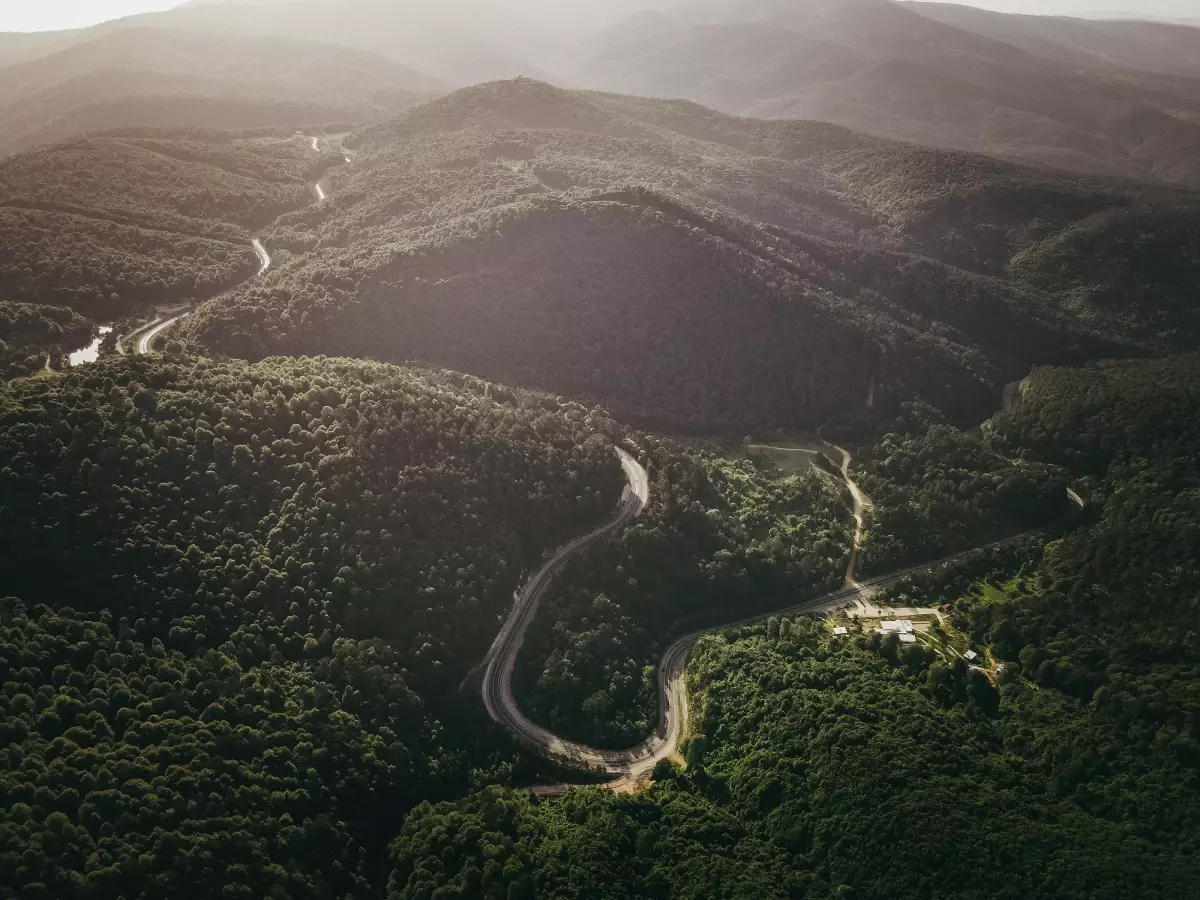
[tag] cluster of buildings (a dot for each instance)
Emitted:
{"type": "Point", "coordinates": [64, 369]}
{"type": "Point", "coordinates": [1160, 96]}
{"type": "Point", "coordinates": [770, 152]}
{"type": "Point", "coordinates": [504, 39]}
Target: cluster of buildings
{"type": "Point", "coordinates": [902, 627]}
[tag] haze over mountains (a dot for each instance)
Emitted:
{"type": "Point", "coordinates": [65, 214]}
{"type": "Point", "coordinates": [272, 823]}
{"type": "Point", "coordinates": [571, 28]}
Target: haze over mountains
{"type": "Point", "coordinates": [333, 353]}
{"type": "Point", "coordinates": [949, 76]}
{"type": "Point", "coordinates": [699, 271]}
{"type": "Point", "coordinates": [1105, 97]}
{"type": "Point", "coordinates": [158, 77]}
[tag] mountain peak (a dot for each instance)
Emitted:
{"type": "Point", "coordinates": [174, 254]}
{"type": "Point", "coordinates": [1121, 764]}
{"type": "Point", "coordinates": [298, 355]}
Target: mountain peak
{"type": "Point", "coordinates": [518, 103]}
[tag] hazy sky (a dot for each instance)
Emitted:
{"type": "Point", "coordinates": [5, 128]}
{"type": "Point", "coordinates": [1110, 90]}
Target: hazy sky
{"type": "Point", "coordinates": [40, 15]}
{"type": "Point", "coordinates": [44, 15]}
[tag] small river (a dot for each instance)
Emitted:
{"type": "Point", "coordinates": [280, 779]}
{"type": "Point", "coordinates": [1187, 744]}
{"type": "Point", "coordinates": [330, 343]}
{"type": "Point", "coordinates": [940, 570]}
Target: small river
{"type": "Point", "coordinates": [91, 352]}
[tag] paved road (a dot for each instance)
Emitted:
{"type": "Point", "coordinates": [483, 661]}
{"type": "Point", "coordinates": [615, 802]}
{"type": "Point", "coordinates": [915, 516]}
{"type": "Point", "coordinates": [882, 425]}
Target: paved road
{"type": "Point", "coordinates": [630, 767]}
{"type": "Point", "coordinates": [147, 336]}
{"type": "Point", "coordinates": [502, 656]}
{"type": "Point", "coordinates": [264, 258]}
{"type": "Point", "coordinates": [143, 344]}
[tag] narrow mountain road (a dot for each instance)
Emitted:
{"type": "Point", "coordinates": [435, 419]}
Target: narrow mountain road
{"type": "Point", "coordinates": [859, 501]}
{"type": "Point", "coordinates": [630, 768]}
{"type": "Point", "coordinates": [143, 344]}
{"type": "Point", "coordinates": [146, 337]}
{"type": "Point", "coordinates": [502, 657]}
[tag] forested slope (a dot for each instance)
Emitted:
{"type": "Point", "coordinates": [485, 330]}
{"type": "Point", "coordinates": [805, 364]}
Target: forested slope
{"type": "Point", "coordinates": [109, 224]}
{"type": "Point", "coordinates": [30, 333]}
{"type": "Point", "coordinates": [1065, 762]}
{"type": "Point", "coordinates": [698, 271]}
{"type": "Point", "coordinates": [247, 595]}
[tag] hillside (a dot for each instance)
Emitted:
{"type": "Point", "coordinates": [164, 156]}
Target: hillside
{"type": "Point", "coordinates": [142, 76]}
{"type": "Point", "coordinates": [457, 41]}
{"type": "Point", "coordinates": [1065, 93]}
{"type": "Point", "coordinates": [697, 271]}
{"type": "Point", "coordinates": [857, 766]}
{"type": "Point", "coordinates": [110, 224]}
{"type": "Point", "coordinates": [256, 588]}
{"type": "Point", "coordinates": [1147, 46]}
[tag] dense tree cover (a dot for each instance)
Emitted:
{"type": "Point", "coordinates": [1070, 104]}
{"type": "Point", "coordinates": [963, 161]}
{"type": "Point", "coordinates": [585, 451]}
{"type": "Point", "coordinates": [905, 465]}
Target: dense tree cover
{"type": "Point", "coordinates": [939, 490]}
{"type": "Point", "coordinates": [29, 333]}
{"type": "Point", "coordinates": [106, 269]}
{"type": "Point", "coordinates": [1111, 616]}
{"type": "Point", "coordinates": [248, 595]}
{"type": "Point", "coordinates": [822, 769]}
{"type": "Point", "coordinates": [201, 175]}
{"type": "Point", "coordinates": [109, 224]}
{"type": "Point", "coordinates": [1066, 764]}
{"type": "Point", "coordinates": [693, 270]}
{"type": "Point", "coordinates": [1129, 266]}
{"type": "Point", "coordinates": [720, 540]}
{"type": "Point", "coordinates": [137, 769]}
{"type": "Point", "coordinates": [302, 496]}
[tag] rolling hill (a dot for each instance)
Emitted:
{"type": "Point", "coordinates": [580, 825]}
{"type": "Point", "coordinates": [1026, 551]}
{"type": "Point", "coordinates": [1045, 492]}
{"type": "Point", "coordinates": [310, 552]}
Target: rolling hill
{"type": "Point", "coordinates": [157, 77]}
{"type": "Point", "coordinates": [1066, 93]}
{"type": "Point", "coordinates": [697, 271]}
{"type": "Point", "coordinates": [1147, 46]}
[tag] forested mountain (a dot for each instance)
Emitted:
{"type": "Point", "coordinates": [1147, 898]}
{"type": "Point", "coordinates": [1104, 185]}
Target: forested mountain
{"type": "Point", "coordinates": [105, 225]}
{"type": "Point", "coordinates": [241, 630]}
{"type": "Point", "coordinates": [246, 585]}
{"type": "Point", "coordinates": [697, 271]}
{"type": "Point", "coordinates": [247, 595]}
{"type": "Point", "coordinates": [166, 78]}
{"type": "Point", "coordinates": [1101, 97]}
{"type": "Point", "coordinates": [1063, 764]}
{"type": "Point", "coordinates": [1110, 99]}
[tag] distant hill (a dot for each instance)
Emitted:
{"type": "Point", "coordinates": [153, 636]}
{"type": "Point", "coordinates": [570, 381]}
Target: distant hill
{"type": "Point", "coordinates": [698, 271]}
{"type": "Point", "coordinates": [1111, 98]}
{"type": "Point", "coordinates": [166, 78]}
{"type": "Point", "coordinates": [1161, 47]}
{"type": "Point", "coordinates": [456, 41]}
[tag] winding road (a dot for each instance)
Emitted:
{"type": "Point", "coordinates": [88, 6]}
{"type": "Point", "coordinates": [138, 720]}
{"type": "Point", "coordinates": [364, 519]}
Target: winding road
{"type": "Point", "coordinates": [629, 768]}
{"type": "Point", "coordinates": [502, 656]}
{"type": "Point", "coordinates": [143, 344]}
{"type": "Point", "coordinates": [145, 337]}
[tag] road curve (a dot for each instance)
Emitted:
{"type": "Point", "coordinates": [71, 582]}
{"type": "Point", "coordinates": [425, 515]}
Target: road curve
{"type": "Point", "coordinates": [630, 767]}
{"type": "Point", "coordinates": [142, 347]}
{"type": "Point", "coordinates": [264, 258]}
{"type": "Point", "coordinates": [502, 656]}
{"type": "Point", "coordinates": [143, 344]}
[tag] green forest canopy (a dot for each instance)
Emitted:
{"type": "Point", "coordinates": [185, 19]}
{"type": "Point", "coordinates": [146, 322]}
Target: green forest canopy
{"type": "Point", "coordinates": [850, 767]}
{"type": "Point", "coordinates": [699, 272]}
